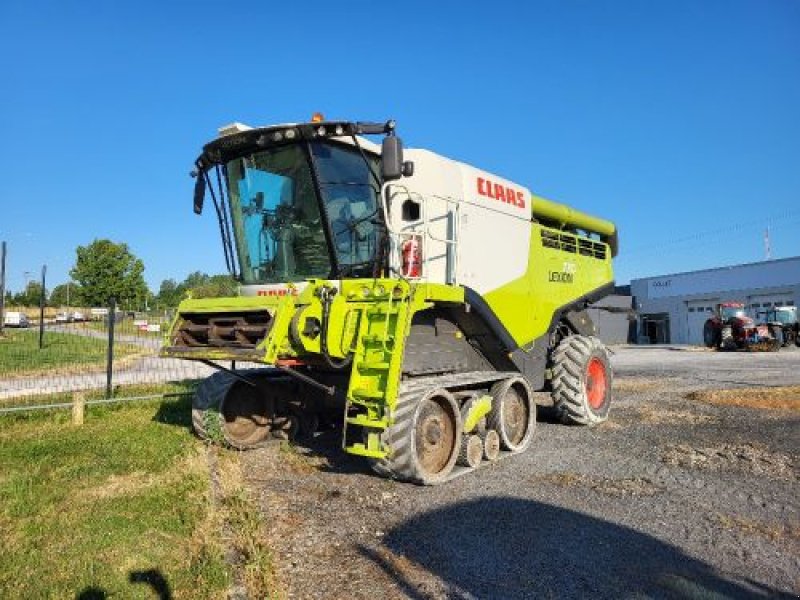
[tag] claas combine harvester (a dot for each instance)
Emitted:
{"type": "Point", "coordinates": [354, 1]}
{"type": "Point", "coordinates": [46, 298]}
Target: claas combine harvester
{"type": "Point", "coordinates": [418, 301]}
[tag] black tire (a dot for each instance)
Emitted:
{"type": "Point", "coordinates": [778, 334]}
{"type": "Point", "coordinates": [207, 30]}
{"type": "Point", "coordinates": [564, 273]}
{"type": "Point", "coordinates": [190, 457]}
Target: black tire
{"type": "Point", "coordinates": [227, 411]}
{"type": "Point", "coordinates": [513, 414]}
{"type": "Point", "coordinates": [710, 335]}
{"type": "Point", "coordinates": [407, 448]}
{"type": "Point", "coordinates": [581, 380]}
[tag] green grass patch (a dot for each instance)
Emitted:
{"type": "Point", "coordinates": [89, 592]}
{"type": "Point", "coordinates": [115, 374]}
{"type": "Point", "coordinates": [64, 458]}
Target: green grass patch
{"type": "Point", "coordinates": [61, 353]}
{"type": "Point", "coordinates": [108, 506]}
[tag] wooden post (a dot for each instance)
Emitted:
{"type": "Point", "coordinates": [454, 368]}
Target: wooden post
{"type": "Point", "coordinates": [78, 405]}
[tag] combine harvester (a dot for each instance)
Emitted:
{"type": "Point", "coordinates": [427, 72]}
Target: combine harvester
{"type": "Point", "coordinates": [417, 300]}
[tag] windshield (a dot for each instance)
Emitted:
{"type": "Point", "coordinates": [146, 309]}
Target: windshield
{"type": "Point", "coordinates": [733, 312]}
{"type": "Point", "coordinates": [275, 215]}
{"type": "Point", "coordinates": [350, 195]}
{"type": "Point", "coordinates": [785, 315]}
{"type": "Point", "coordinates": [280, 233]}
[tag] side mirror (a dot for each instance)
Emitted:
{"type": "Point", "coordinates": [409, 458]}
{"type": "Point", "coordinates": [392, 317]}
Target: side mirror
{"type": "Point", "coordinates": [391, 158]}
{"type": "Point", "coordinates": [199, 193]}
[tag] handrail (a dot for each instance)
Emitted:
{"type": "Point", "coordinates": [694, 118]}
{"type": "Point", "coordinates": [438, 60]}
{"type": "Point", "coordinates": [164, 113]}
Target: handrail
{"type": "Point", "coordinates": [452, 243]}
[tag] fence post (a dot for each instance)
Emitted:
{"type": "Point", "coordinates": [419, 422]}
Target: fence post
{"type": "Point", "coordinates": [42, 298]}
{"type": "Point", "coordinates": [78, 404]}
{"type": "Point", "coordinates": [2, 287]}
{"type": "Point", "coordinates": [112, 317]}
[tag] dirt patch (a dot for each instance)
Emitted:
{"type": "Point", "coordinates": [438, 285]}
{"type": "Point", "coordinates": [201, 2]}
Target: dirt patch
{"type": "Point", "coordinates": [636, 384]}
{"type": "Point", "coordinates": [660, 416]}
{"type": "Point", "coordinates": [743, 457]}
{"type": "Point", "coordinates": [772, 398]}
{"type": "Point", "coordinates": [773, 531]}
{"type": "Point", "coordinates": [628, 486]}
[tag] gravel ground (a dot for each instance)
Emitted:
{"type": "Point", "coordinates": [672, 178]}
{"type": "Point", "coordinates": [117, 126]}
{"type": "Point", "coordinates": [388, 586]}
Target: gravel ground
{"type": "Point", "coordinates": [671, 498]}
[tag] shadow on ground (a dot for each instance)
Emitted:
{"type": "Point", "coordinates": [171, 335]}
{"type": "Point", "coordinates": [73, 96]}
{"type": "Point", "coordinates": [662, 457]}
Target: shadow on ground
{"type": "Point", "coordinates": [152, 578]}
{"type": "Point", "coordinates": [509, 548]}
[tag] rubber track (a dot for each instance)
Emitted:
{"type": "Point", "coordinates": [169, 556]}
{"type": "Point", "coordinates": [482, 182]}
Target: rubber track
{"type": "Point", "coordinates": [569, 396]}
{"type": "Point", "coordinates": [400, 464]}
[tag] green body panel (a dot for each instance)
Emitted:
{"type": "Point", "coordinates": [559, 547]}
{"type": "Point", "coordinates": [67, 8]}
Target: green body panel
{"type": "Point", "coordinates": [555, 277]}
{"type": "Point", "coordinates": [542, 208]}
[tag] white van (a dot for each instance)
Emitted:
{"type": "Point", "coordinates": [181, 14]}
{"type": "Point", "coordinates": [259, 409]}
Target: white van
{"type": "Point", "coordinates": [16, 319]}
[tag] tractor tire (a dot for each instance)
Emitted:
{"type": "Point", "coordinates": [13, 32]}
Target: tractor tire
{"type": "Point", "coordinates": [491, 445]}
{"type": "Point", "coordinates": [581, 380]}
{"type": "Point", "coordinates": [227, 411]}
{"type": "Point", "coordinates": [471, 452]}
{"type": "Point", "coordinates": [513, 414]}
{"type": "Point", "coordinates": [424, 439]}
{"type": "Point", "coordinates": [710, 335]}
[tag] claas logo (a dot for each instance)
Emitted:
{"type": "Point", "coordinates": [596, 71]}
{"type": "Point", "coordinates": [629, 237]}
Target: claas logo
{"type": "Point", "coordinates": [500, 192]}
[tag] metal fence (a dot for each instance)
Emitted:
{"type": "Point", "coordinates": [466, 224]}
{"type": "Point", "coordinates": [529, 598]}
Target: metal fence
{"type": "Point", "coordinates": [104, 353]}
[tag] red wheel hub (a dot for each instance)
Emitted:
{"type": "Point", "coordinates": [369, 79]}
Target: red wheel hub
{"type": "Point", "coordinates": [596, 383]}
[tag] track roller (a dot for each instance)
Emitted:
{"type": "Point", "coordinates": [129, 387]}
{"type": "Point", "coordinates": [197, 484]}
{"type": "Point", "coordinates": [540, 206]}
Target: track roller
{"type": "Point", "coordinates": [513, 414]}
{"type": "Point", "coordinates": [491, 445]}
{"type": "Point", "coordinates": [471, 451]}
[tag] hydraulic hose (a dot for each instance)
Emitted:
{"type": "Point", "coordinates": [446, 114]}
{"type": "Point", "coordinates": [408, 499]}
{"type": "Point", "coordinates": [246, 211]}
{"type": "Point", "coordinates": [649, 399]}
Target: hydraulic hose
{"type": "Point", "coordinates": [326, 297]}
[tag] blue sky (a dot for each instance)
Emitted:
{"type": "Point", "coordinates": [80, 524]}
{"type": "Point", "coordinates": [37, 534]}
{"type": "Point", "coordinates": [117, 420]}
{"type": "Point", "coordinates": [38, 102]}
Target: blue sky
{"type": "Point", "coordinates": [679, 120]}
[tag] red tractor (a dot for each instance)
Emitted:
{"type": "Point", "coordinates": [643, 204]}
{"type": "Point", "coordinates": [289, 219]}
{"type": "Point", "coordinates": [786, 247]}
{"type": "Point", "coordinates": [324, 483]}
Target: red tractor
{"type": "Point", "coordinates": [731, 329]}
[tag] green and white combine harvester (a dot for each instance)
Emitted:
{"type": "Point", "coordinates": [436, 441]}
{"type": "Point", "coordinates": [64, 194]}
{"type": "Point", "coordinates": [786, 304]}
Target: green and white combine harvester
{"type": "Point", "coordinates": [422, 303]}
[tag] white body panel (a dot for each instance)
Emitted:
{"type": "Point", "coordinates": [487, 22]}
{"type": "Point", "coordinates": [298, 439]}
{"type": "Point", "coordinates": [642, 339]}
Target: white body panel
{"type": "Point", "coordinates": [487, 216]}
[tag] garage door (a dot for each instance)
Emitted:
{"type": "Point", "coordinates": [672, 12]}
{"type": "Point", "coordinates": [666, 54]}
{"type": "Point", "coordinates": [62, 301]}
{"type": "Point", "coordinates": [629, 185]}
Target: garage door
{"type": "Point", "coordinates": [757, 305]}
{"type": "Point", "coordinates": [698, 312]}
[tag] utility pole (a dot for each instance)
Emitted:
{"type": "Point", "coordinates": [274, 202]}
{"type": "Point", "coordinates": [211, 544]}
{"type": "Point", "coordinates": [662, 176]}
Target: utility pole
{"type": "Point", "coordinates": [2, 287]}
{"type": "Point", "coordinates": [41, 308]}
{"type": "Point", "coordinates": [767, 249]}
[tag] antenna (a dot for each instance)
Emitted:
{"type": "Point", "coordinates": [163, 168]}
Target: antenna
{"type": "Point", "coordinates": [767, 249]}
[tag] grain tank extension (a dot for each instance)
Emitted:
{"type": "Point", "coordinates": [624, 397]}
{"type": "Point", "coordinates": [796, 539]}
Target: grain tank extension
{"type": "Point", "coordinates": [418, 303]}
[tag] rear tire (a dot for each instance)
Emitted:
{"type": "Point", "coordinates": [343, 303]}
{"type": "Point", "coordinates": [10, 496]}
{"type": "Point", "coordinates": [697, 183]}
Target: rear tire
{"type": "Point", "coordinates": [710, 335]}
{"type": "Point", "coordinates": [581, 380]}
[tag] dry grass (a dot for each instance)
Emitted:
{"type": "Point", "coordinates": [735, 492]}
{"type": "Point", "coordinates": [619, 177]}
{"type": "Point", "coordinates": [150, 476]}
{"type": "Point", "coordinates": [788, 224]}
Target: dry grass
{"type": "Point", "coordinates": [772, 531]}
{"type": "Point", "coordinates": [773, 398]}
{"type": "Point", "coordinates": [660, 416]}
{"type": "Point", "coordinates": [240, 521]}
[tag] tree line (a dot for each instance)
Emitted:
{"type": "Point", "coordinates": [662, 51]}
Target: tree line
{"type": "Point", "coordinates": [105, 269]}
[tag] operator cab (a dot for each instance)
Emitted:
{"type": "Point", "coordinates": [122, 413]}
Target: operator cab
{"type": "Point", "coordinates": [298, 202]}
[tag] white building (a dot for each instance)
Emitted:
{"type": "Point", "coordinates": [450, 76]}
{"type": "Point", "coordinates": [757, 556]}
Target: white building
{"type": "Point", "coordinates": [673, 308]}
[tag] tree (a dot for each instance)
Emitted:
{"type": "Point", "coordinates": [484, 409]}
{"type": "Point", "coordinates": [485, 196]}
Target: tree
{"type": "Point", "coordinates": [105, 270]}
{"type": "Point", "coordinates": [216, 286]}
{"type": "Point", "coordinates": [169, 294]}
{"type": "Point", "coordinates": [30, 296]}
{"type": "Point", "coordinates": [65, 294]}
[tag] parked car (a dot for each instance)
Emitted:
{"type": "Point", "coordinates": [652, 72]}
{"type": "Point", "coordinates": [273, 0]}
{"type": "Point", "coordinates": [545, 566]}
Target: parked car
{"type": "Point", "coordinates": [78, 316]}
{"type": "Point", "coordinates": [16, 319]}
{"type": "Point", "coordinates": [62, 317]}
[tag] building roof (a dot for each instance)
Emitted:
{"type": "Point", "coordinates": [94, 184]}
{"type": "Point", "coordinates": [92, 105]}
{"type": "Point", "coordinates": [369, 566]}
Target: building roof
{"type": "Point", "coordinates": [725, 268]}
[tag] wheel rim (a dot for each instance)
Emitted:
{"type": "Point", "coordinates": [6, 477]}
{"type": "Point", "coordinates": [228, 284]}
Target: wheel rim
{"type": "Point", "coordinates": [515, 416]}
{"type": "Point", "coordinates": [596, 383]}
{"type": "Point", "coordinates": [435, 435]}
{"type": "Point", "coordinates": [246, 416]}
